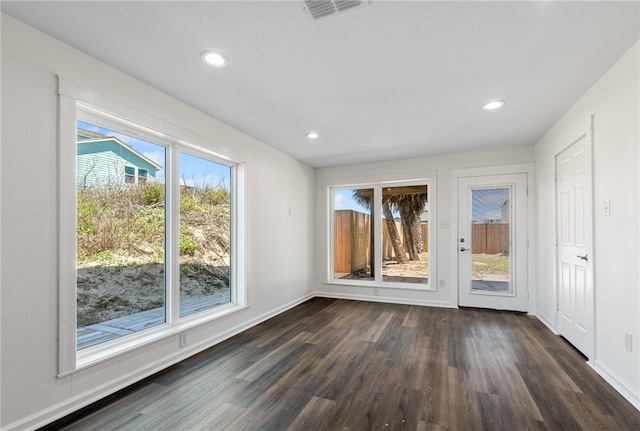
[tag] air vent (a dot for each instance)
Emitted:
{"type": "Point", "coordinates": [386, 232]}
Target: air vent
{"type": "Point", "coordinates": [319, 9]}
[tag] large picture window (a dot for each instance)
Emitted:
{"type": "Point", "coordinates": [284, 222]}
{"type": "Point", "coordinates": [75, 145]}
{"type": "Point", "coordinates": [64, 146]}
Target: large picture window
{"type": "Point", "coordinates": [120, 235]}
{"type": "Point", "coordinates": [149, 233]}
{"type": "Point", "coordinates": [205, 231]}
{"type": "Point", "coordinates": [380, 234]}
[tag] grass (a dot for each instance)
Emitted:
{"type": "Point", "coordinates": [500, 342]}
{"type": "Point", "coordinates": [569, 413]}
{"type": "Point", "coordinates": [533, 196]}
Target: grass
{"type": "Point", "coordinates": [414, 268]}
{"type": "Point", "coordinates": [484, 264]}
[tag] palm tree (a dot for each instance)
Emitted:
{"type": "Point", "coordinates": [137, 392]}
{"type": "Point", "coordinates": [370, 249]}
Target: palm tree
{"type": "Point", "coordinates": [364, 198]}
{"type": "Point", "coordinates": [411, 206]}
{"type": "Point", "coordinates": [403, 204]}
{"type": "Point", "coordinates": [394, 237]}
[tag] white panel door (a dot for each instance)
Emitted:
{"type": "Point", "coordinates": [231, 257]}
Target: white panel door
{"type": "Point", "coordinates": [492, 242]}
{"type": "Point", "coordinates": [574, 236]}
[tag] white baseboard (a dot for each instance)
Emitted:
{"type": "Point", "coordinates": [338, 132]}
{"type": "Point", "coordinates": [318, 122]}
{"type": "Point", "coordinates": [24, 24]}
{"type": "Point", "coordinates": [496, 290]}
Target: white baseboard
{"type": "Point", "coordinates": [627, 391]}
{"type": "Point", "coordinates": [79, 401]}
{"type": "Point", "coordinates": [391, 300]}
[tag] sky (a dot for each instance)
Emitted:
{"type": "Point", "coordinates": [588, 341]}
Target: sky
{"type": "Point", "coordinates": [486, 203]}
{"type": "Point", "coordinates": [194, 171]}
{"type": "Point", "coordinates": [343, 200]}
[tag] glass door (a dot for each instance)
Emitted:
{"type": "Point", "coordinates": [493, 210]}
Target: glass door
{"type": "Point", "coordinates": [492, 242]}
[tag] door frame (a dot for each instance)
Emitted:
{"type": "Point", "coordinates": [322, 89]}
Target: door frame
{"type": "Point", "coordinates": [586, 132]}
{"type": "Point", "coordinates": [517, 299]}
{"type": "Point", "coordinates": [456, 174]}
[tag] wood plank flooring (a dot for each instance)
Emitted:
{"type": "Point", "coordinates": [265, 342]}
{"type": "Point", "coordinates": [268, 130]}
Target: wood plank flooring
{"type": "Point", "coordinates": [346, 365]}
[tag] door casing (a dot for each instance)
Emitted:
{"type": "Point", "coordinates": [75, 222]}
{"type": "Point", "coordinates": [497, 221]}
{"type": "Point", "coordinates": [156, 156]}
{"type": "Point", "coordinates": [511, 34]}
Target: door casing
{"type": "Point", "coordinates": [575, 315]}
{"type": "Point", "coordinates": [451, 225]}
{"type": "Point", "coordinates": [517, 299]}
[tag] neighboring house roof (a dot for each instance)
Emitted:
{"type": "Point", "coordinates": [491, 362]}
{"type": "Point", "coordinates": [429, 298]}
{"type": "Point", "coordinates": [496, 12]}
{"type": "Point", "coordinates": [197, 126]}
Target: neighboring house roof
{"type": "Point", "coordinates": [87, 134]}
{"type": "Point", "coordinates": [88, 143]}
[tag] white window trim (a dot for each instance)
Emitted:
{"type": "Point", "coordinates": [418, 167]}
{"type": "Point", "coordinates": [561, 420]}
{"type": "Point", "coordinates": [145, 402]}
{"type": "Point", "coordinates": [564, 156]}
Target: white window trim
{"type": "Point", "coordinates": [134, 176]}
{"type": "Point", "coordinates": [111, 114]}
{"type": "Point", "coordinates": [377, 182]}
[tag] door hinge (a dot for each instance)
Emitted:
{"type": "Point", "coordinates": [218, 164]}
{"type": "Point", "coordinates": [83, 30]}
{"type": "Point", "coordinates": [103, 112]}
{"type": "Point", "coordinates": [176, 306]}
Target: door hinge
{"type": "Point", "coordinates": [556, 241]}
{"type": "Point", "coordinates": [557, 305]}
{"type": "Point", "coordinates": [527, 190]}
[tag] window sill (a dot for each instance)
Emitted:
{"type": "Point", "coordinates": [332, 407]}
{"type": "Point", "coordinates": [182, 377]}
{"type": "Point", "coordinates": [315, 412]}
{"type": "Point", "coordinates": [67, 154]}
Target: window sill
{"type": "Point", "coordinates": [382, 285]}
{"type": "Point", "coordinates": [121, 346]}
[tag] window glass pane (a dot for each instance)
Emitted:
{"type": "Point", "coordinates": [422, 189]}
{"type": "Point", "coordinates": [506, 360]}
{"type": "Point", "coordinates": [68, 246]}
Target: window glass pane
{"type": "Point", "coordinates": [129, 175]}
{"type": "Point", "coordinates": [405, 218]}
{"type": "Point", "coordinates": [205, 232]}
{"type": "Point", "coordinates": [353, 240]}
{"type": "Point", "coordinates": [120, 236]}
{"type": "Point", "coordinates": [490, 258]}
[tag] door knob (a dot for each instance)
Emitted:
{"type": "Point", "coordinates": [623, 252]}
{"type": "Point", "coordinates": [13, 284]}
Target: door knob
{"type": "Point", "coordinates": [585, 257]}
{"type": "Point", "coordinates": [463, 249]}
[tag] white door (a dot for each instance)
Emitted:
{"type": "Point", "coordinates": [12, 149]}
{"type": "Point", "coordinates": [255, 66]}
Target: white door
{"type": "Point", "coordinates": [574, 239]}
{"type": "Point", "coordinates": [492, 242]}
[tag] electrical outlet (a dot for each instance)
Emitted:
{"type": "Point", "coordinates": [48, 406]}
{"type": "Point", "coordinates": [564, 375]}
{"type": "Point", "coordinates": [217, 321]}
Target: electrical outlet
{"type": "Point", "coordinates": [183, 339]}
{"type": "Point", "coordinates": [628, 341]}
{"type": "Point", "coordinates": [376, 292]}
{"type": "Point", "coordinates": [441, 283]}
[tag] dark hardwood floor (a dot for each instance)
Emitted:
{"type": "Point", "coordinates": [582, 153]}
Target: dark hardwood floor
{"type": "Point", "coordinates": [347, 365]}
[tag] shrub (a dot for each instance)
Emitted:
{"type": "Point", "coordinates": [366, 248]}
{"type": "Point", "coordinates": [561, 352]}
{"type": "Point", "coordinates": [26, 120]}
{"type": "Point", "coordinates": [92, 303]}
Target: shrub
{"type": "Point", "coordinates": [104, 256]}
{"type": "Point", "coordinates": [130, 221]}
{"type": "Point", "coordinates": [86, 212]}
{"type": "Point", "coordinates": [187, 247]}
{"type": "Point", "coordinates": [215, 196]}
{"type": "Point", "coordinates": [153, 193]}
{"type": "Point", "coordinates": [188, 204]}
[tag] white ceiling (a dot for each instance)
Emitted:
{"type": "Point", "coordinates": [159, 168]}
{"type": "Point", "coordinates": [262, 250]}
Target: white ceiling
{"type": "Point", "coordinates": [388, 81]}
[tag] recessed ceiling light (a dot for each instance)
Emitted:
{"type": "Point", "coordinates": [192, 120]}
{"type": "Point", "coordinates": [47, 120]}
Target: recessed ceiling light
{"type": "Point", "coordinates": [494, 104]}
{"type": "Point", "coordinates": [215, 59]}
{"type": "Point", "coordinates": [313, 135]}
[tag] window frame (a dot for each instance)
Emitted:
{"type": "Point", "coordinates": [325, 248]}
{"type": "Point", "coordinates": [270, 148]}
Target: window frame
{"type": "Point", "coordinates": [77, 102]}
{"type": "Point", "coordinates": [377, 183]}
{"type": "Point", "coordinates": [141, 179]}
{"type": "Point", "coordinates": [132, 178]}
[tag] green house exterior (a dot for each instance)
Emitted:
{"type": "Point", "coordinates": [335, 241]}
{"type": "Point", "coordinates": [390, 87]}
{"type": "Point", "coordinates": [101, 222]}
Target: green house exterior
{"type": "Point", "coordinates": [108, 162]}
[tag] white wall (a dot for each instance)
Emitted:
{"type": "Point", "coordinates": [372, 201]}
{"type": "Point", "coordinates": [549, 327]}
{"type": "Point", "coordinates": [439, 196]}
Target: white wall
{"type": "Point", "coordinates": [279, 246]}
{"type": "Point", "coordinates": [614, 100]}
{"type": "Point", "coordinates": [442, 166]}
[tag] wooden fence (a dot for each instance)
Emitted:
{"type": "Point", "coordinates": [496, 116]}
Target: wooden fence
{"type": "Point", "coordinates": [352, 233]}
{"type": "Point", "coordinates": [387, 247]}
{"type": "Point", "coordinates": [490, 238]}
